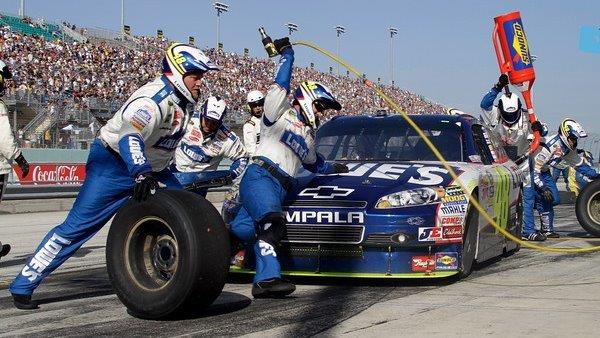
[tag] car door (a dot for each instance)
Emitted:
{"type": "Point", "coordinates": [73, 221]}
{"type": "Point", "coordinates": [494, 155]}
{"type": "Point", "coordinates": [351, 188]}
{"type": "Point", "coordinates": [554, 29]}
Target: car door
{"type": "Point", "coordinates": [496, 191]}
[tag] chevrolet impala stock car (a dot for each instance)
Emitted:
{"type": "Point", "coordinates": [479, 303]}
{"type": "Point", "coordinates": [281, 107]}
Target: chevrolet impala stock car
{"type": "Point", "coordinates": [398, 213]}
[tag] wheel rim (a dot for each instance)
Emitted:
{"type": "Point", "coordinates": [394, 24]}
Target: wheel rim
{"type": "Point", "coordinates": [151, 253]}
{"type": "Point", "coordinates": [593, 207]}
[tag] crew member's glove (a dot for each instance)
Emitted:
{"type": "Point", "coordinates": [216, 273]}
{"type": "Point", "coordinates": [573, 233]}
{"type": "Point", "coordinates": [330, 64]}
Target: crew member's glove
{"type": "Point", "coordinates": [340, 168]}
{"type": "Point", "coordinates": [22, 162]}
{"type": "Point", "coordinates": [282, 44]}
{"type": "Point", "coordinates": [546, 195]}
{"type": "Point", "coordinates": [537, 126]}
{"type": "Point", "coordinates": [145, 185]}
{"type": "Point", "coordinates": [502, 82]}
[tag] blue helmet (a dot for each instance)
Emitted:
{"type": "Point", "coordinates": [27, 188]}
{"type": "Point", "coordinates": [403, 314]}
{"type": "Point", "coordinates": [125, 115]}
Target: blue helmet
{"type": "Point", "coordinates": [313, 92]}
{"type": "Point", "coordinates": [181, 59]}
{"type": "Point", "coordinates": [215, 109]}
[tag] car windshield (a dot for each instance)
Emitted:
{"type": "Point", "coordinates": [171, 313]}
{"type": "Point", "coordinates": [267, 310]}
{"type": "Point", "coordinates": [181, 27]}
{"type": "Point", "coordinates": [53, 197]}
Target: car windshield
{"type": "Point", "coordinates": [389, 139]}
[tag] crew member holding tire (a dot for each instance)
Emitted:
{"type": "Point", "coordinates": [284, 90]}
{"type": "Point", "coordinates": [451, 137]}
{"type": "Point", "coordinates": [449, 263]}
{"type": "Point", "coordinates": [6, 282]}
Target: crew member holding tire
{"type": "Point", "coordinates": [130, 157]}
{"type": "Point", "coordinates": [9, 151]}
{"type": "Point", "coordinates": [206, 142]}
{"type": "Point", "coordinates": [251, 128]}
{"type": "Point", "coordinates": [558, 151]}
{"type": "Point", "coordinates": [287, 142]}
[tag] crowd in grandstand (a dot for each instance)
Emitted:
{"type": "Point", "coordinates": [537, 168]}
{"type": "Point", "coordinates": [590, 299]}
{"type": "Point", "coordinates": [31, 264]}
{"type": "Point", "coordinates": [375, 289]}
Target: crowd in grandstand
{"type": "Point", "coordinates": [58, 70]}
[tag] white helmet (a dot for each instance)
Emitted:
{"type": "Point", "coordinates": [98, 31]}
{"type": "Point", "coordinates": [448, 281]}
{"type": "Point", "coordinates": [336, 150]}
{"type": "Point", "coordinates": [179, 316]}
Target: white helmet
{"type": "Point", "coordinates": [214, 108]}
{"type": "Point", "coordinates": [181, 59]}
{"type": "Point", "coordinates": [570, 129]}
{"type": "Point", "coordinates": [509, 106]}
{"type": "Point", "coordinates": [255, 96]}
{"type": "Point", "coordinates": [313, 92]}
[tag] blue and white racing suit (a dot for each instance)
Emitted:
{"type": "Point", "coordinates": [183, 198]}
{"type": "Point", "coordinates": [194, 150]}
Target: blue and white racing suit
{"type": "Point", "coordinates": [553, 153]}
{"type": "Point", "coordinates": [513, 137]}
{"type": "Point", "coordinates": [141, 137]}
{"type": "Point", "coordinates": [199, 153]}
{"type": "Point", "coordinates": [286, 144]}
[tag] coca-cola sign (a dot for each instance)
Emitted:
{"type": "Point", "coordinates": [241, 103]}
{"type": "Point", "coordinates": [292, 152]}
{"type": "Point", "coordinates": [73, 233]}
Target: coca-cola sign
{"type": "Point", "coordinates": [52, 173]}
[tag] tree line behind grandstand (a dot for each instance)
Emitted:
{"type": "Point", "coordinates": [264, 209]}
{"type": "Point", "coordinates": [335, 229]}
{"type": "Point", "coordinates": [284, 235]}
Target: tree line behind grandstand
{"type": "Point", "coordinates": [74, 78]}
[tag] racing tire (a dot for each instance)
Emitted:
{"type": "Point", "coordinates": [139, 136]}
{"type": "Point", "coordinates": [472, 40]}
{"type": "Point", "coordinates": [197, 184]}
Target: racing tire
{"type": "Point", "coordinates": [467, 254]}
{"type": "Point", "coordinates": [587, 208]}
{"type": "Point", "coordinates": [167, 254]}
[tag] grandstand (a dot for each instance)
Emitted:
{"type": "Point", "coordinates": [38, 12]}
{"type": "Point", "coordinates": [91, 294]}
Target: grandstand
{"type": "Point", "coordinates": [67, 77]}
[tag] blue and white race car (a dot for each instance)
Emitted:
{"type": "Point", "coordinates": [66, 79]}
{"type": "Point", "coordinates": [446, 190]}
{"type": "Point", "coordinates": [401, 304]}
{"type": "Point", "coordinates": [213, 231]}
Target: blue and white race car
{"type": "Point", "coordinates": [398, 213]}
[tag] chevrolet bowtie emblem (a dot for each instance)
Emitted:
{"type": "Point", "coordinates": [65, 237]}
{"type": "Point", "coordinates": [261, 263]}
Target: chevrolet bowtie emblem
{"type": "Point", "coordinates": [327, 191]}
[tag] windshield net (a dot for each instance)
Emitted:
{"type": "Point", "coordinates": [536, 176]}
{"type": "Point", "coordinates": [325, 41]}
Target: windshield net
{"type": "Point", "coordinates": [388, 139]}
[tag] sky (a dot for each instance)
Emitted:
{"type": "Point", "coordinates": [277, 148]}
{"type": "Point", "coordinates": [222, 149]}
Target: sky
{"type": "Point", "coordinates": [443, 49]}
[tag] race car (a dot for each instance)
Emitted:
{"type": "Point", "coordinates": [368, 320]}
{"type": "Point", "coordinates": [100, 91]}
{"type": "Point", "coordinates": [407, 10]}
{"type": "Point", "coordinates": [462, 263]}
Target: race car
{"type": "Point", "coordinates": [398, 213]}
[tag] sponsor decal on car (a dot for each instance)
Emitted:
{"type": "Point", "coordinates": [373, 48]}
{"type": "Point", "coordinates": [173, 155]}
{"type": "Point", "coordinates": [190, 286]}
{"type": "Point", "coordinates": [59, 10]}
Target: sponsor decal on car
{"type": "Point", "coordinates": [417, 174]}
{"type": "Point", "coordinates": [460, 209]}
{"type": "Point", "coordinates": [452, 233]}
{"type": "Point", "coordinates": [451, 220]}
{"type": "Point", "coordinates": [422, 263]}
{"type": "Point", "coordinates": [446, 260]}
{"type": "Point", "coordinates": [430, 234]}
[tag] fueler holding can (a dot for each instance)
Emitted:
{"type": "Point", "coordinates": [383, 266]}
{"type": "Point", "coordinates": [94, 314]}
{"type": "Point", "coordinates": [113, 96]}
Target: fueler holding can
{"type": "Point", "coordinates": [287, 142]}
{"type": "Point", "coordinates": [129, 157]}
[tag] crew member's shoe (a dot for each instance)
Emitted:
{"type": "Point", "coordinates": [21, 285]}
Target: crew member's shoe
{"type": "Point", "coordinates": [551, 234]}
{"type": "Point", "coordinates": [24, 302]}
{"type": "Point", "coordinates": [272, 288]}
{"type": "Point", "coordinates": [534, 237]}
{"type": "Point", "coordinates": [4, 249]}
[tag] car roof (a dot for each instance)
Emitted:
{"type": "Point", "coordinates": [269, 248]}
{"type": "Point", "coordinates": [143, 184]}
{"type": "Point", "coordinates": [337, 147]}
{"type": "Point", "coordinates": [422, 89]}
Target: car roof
{"type": "Point", "coordinates": [415, 117]}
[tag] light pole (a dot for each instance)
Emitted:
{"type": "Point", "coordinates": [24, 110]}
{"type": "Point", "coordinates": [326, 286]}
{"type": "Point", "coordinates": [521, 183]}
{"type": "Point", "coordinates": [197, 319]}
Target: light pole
{"type": "Point", "coordinates": [339, 31]}
{"type": "Point", "coordinates": [292, 27]}
{"type": "Point", "coordinates": [123, 19]}
{"type": "Point", "coordinates": [221, 8]}
{"type": "Point", "coordinates": [22, 9]}
{"type": "Point", "coordinates": [393, 31]}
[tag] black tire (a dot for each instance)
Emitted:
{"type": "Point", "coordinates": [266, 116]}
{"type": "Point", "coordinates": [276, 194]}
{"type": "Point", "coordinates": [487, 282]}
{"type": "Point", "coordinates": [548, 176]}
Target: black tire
{"type": "Point", "coordinates": [587, 208]}
{"type": "Point", "coordinates": [467, 254]}
{"type": "Point", "coordinates": [167, 254]}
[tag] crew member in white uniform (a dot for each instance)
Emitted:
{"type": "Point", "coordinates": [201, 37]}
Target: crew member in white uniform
{"type": "Point", "coordinates": [251, 129]}
{"type": "Point", "coordinates": [206, 142]}
{"type": "Point", "coordinates": [9, 151]}
{"type": "Point", "coordinates": [129, 157]}
{"type": "Point", "coordinates": [287, 143]}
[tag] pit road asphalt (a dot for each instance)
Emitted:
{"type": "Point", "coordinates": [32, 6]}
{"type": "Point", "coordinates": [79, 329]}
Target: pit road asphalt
{"type": "Point", "coordinates": [529, 293]}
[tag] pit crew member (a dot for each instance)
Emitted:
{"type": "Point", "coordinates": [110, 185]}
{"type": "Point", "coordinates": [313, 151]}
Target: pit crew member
{"type": "Point", "coordinates": [558, 151]}
{"type": "Point", "coordinates": [9, 151]}
{"type": "Point", "coordinates": [129, 158]}
{"type": "Point", "coordinates": [287, 142]}
{"type": "Point", "coordinates": [206, 142]}
{"type": "Point", "coordinates": [251, 128]}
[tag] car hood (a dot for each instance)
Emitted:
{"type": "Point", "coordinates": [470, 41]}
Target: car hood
{"type": "Point", "coordinates": [369, 181]}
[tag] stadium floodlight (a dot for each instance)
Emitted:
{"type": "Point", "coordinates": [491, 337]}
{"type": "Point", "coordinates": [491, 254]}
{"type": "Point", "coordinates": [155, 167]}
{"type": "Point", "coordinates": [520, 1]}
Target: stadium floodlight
{"type": "Point", "coordinates": [221, 8]}
{"type": "Point", "coordinates": [393, 31]}
{"type": "Point", "coordinates": [339, 31]}
{"type": "Point", "coordinates": [292, 27]}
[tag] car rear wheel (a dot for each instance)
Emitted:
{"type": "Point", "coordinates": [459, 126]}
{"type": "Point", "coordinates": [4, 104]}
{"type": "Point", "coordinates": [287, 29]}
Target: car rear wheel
{"type": "Point", "coordinates": [587, 208]}
{"type": "Point", "coordinates": [467, 254]}
{"type": "Point", "coordinates": [167, 254]}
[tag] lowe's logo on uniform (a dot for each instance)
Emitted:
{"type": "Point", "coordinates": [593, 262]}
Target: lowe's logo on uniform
{"type": "Point", "coordinates": [195, 153]}
{"type": "Point", "coordinates": [327, 217]}
{"type": "Point", "coordinates": [135, 147]}
{"type": "Point", "coordinates": [325, 192]}
{"type": "Point", "coordinates": [42, 259]}
{"type": "Point", "coordinates": [296, 143]}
